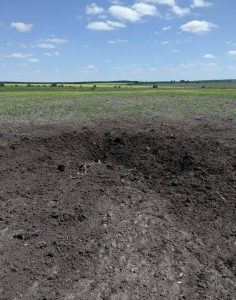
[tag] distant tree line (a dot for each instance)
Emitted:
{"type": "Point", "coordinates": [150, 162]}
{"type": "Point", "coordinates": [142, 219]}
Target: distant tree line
{"type": "Point", "coordinates": [117, 82]}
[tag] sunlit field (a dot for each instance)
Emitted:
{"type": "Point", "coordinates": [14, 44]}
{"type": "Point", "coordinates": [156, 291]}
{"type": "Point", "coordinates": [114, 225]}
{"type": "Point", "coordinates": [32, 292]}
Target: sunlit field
{"type": "Point", "coordinates": [69, 105]}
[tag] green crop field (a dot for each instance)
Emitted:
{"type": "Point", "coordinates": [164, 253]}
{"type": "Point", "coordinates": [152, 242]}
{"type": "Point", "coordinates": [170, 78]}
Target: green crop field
{"type": "Point", "coordinates": [23, 106]}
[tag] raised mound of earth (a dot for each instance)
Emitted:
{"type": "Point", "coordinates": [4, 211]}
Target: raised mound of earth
{"type": "Point", "coordinates": [119, 212]}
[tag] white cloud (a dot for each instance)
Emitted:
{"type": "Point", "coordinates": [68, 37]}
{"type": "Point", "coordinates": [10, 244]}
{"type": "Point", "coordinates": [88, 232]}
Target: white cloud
{"type": "Point", "coordinates": [51, 53]}
{"type": "Point", "coordinates": [165, 43]}
{"type": "Point", "coordinates": [179, 11]}
{"type": "Point", "coordinates": [105, 25]}
{"type": "Point", "coordinates": [18, 55]}
{"type": "Point", "coordinates": [197, 26]}
{"type": "Point", "coordinates": [176, 9]}
{"type": "Point", "coordinates": [92, 67]}
{"type": "Point", "coordinates": [200, 3]}
{"type": "Point", "coordinates": [133, 13]}
{"type": "Point", "coordinates": [117, 41]}
{"type": "Point", "coordinates": [209, 56]}
{"type": "Point", "coordinates": [94, 9]}
{"type": "Point", "coordinates": [22, 27]}
{"type": "Point", "coordinates": [232, 53]}
{"type": "Point", "coordinates": [46, 46]}
{"type": "Point", "coordinates": [33, 60]}
{"type": "Point", "coordinates": [175, 50]}
{"type": "Point", "coordinates": [124, 13]}
{"type": "Point", "coordinates": [166, 28]}
{"type": "Point", "coordinates": [162, 2]}
{"type": "Point", "coordinates": [56, 41]}
{"type": "Point", "coordinates": [144, 9]}
{"type": "Point", "coordinates": [50, 43]}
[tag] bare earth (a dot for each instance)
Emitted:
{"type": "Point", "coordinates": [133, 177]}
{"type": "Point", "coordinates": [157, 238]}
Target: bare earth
{"type": "Point", "coordinates": [119, 211]}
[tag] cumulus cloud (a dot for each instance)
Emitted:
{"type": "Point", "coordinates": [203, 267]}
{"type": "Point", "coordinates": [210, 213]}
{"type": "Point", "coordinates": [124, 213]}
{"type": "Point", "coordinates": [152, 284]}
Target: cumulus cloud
{"type": "Point", "coordinates": [105, 25]}
{"type": "Point", "coordinates": [232, 53]}
{"type": "Point", "coordinates": [197, 26]}
{"type": "Point", "coordinates": [124, 13]}
{"type": "Point", "coordinates": [200, 3]}
{"type": "Point", "coordinates": [22, 27]}
{"type": "Point", "coordinates": [209, 56]}
{"type": "Point", "coordinates": [179, 11]}
{"type": "Point", "coordinates": [133, 13]}
{"type": "Point", "coordinates": [175, 8]}
{"type": "Point", "coordinates": [94, 9]}
{"type": "Point", "coordinates": [144, 9]}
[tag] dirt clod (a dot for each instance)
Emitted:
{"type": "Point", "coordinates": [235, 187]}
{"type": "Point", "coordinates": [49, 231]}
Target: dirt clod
{"type": "Point", "coordinates": [61, 168]}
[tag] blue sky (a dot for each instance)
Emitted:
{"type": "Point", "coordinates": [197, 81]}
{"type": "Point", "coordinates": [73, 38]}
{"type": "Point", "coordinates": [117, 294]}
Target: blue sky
{"type": "Point", "coordinates": [79, 40]}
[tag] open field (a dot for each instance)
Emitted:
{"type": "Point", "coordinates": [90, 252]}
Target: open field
{"type": "Point", "coordinates": [24, 107]}
{"type": "Point", "coordinates": [117, 195]}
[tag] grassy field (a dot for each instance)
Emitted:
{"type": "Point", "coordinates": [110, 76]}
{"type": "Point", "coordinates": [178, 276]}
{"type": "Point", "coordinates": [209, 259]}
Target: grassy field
{"type": "Point", "coordinates": [34, 106]}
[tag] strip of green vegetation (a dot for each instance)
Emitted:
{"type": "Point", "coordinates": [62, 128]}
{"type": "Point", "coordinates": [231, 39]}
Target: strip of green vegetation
{"type": "Point", "coordinates": [69, 107]}
{"type": "Point", "coordinates": [73, 92]}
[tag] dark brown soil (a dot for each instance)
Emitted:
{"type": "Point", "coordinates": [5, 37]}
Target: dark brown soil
{"type": "Point", "coordinates": [119, 212]}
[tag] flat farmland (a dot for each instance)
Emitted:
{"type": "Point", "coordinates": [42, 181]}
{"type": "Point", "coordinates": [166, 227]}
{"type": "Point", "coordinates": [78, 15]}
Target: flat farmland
{"type": "Point", "coordinates": [66, 106]}
{"type": "Point", "coordinates": [117, 193]}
